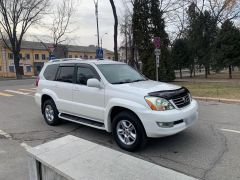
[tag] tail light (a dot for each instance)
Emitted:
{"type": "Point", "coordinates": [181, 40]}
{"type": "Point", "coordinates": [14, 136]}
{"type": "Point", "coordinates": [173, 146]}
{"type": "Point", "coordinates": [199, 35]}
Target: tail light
{"type": "Point", "coordinates": [37, 81]}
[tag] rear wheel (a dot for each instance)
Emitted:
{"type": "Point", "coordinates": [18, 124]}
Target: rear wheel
{"type": "Point", "coordinates": [50, 113]}
{"type": "Point", "coordinates": [128, 131]}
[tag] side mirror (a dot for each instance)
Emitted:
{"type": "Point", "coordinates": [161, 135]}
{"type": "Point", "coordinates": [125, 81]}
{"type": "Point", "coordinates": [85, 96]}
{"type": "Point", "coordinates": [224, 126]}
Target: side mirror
{"type": "Point", "coordinates": [94, 83]}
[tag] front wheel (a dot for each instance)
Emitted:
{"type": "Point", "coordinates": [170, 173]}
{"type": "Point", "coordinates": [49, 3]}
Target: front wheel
{"type": "Point", "coordinates": [128, 131]}
{"type": "Point", "coordinates": [50, 113]}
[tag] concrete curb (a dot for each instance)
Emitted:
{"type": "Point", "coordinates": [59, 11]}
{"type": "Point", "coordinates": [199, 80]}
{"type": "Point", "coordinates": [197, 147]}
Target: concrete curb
{"type": "Point", "coordinates": [227, 101]}
{"type": "Point", "coordinates": [10, 79]}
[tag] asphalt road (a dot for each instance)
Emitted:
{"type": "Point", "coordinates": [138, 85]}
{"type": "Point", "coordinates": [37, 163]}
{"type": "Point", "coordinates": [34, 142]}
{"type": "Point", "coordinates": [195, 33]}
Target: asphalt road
{"type": "Point", "coordinates": [207, 150]}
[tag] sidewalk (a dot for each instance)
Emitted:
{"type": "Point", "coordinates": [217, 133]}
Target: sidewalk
{"type": "Point", "coordinates": [227, 101]}
{"type": "Point", "coordinates": [193, 80]}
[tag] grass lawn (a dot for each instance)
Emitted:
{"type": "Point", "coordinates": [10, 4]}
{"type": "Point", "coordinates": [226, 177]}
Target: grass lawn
{"type": "Point", "coordinates": [229, 90]}
{"type": "Point", "coordinates": [216, 76]}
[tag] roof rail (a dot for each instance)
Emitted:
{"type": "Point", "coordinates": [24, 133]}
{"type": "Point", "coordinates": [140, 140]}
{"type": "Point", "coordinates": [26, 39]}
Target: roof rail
{"type": "Point", "coordinates": [65, 59]}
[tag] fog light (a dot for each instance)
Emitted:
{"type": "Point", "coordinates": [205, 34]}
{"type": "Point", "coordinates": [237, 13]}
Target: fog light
{"type": "Point", "coordinates": [165, 124]}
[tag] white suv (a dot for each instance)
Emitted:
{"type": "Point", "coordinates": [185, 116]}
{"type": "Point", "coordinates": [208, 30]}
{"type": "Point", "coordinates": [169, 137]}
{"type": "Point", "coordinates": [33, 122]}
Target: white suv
{"type": "Point", "coordinates": [114, 97]}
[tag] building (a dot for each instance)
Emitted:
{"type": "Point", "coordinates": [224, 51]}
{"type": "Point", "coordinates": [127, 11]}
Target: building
{"type": "Point", "coordinates": [33, 55]}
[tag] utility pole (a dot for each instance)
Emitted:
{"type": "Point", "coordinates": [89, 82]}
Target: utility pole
{"type": "Point", "coordinates": [96, 13]}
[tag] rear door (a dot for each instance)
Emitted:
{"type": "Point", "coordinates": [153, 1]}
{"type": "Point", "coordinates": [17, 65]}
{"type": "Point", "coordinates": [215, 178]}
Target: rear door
{"type": "Point", "coordinates": [89, 101]}
{"type": "Point", "coordinates": [64, 87]}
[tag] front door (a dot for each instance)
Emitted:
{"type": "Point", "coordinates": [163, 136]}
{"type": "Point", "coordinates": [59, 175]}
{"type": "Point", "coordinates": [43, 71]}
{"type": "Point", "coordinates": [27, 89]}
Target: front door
{"type": "Point", "coordinates": [89, 102]}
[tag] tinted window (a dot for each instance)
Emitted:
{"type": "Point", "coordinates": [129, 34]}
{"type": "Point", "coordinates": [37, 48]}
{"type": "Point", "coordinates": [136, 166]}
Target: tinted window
{"type": "Point", "coordinates": [37, 56]}
{"type": "Point", "coordinates": [11, 69]}
{"type": "Point", "coordinates": [85, 73]}
{"type": "Point", "coordinates": [50, 72]}
{"type": "Point", "coordinates": [43, 57]}
{"type": "Point", "coordinates": [27, 56]}
{"type": "Point", "coordinates": [66, 74]}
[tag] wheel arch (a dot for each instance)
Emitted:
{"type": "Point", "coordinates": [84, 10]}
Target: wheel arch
{"type": "Point", "coordinates": [44, 98]}
{"type": "Point", "coordinates": [116, 110]}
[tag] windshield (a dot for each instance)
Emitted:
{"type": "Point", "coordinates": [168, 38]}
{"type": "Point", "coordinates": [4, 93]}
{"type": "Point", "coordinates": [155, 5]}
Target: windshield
{"type": "Point", "coordinates": [120, 73]}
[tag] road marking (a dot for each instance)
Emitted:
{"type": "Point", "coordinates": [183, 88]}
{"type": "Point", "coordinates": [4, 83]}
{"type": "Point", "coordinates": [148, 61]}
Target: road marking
{"type": "Point", "coordinates": [9, 137]}
{"type": "Point", "coordinates": [6, 135]}
{"type": "Point", "coordinates": [5, 94]}
{"type": "Point", "coordinates": [230, 130]}
{"type": "Point", "coordinates": [17, 92]}
{"type": "Point", "coordinates": [26, 146]}
{"type": "Point", "coordinates": [27, 90]}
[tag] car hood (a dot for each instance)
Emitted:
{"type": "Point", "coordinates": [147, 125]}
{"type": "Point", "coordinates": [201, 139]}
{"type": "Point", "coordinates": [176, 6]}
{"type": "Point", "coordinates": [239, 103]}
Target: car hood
{"type": "Point", "coordinates": [145, 87]}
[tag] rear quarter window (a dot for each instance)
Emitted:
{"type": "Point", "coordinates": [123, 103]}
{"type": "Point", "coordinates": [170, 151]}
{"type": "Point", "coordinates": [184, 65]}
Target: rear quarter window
{"type": "Point", "coordinates": [50, 72]}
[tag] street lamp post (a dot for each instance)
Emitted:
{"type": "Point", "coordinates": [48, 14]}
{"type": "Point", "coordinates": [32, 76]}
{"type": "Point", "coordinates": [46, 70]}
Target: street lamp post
{"type": "Point", "coordinates": [102, 39]}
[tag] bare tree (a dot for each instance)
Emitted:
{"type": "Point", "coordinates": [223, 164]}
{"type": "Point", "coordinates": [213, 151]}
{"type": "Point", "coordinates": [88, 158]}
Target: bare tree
{"type": "Point", "coordinates": [115, 30]}
{"type": "Point", "coordinates": [16, 18]}
{"type": "Point", "coordinates": [224, 9]}
{"type": "Point", "coordinates": [61, 21]}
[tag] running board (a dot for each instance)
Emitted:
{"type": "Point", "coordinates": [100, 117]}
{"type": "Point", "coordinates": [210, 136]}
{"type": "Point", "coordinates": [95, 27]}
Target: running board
{"type": "Point", "coordinates": [83, 121]}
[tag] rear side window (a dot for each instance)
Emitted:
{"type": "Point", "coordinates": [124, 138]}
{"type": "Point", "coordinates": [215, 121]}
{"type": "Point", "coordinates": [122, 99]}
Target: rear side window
{"type": "Point", "coordinates": [65, 74]}
{"type": "Point", "coordinates": [50, 72]}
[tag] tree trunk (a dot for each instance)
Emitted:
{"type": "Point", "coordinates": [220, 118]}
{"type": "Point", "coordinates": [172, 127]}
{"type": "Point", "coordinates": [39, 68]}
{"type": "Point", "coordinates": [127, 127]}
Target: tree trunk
{"type": "Point", "coordinates": [230, 71]}
{"type": "Point", "coordinates": [206, 72]}
{"type": "Point", "coordinates": [180, 72]}
{"type": "Point", "coordinates": [115, 30]}
{"type": "Point", "coordinates": [126, 45]}
{"type": "Point", "coordinates": [191, 70]}
{"type": "Point", "coordinates": [17, 66]}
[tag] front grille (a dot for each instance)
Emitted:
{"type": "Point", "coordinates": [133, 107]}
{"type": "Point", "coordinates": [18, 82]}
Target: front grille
{"type": "Point", "coordinates": [182, 101]}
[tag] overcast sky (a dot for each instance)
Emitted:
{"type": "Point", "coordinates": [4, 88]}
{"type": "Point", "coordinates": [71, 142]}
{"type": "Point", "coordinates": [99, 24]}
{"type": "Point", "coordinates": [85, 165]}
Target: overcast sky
{"type": "Point", "coordinates": [84, 24]}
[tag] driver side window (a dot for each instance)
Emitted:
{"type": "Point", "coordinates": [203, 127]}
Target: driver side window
{"type": "Point", "coordinates": [85, 73]}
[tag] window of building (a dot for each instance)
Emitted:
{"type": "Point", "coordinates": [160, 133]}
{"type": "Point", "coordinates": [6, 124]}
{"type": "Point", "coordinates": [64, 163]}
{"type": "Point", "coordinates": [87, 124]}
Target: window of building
{"type": "Point", "coordinates": [0, 68]}
{"type": "Point", "coordinates": [90, 57]}
{"type": "Point", "coordinates": [37, 56]}
{"type": "Point", "coordinates": [29, 68]}
{"type": "Point", "coordinates": [70, 56]}
{"type": "Point", "coordinates": [27, 56]}
{"type": "Point", "coordinates": [10, 55]}
{"type": "Point", "coordinates": [76, 56]}
{"type": "Point", "coordinates": [66, 74]}
{"type": "Point", "coordinates": [80, 56]}
{"type": "Point", "coordinates": [85, 57]}
{"type": "Point", "coordinates": [85, 73]}
{"type": "Point", "coordinates": [11, 69]}
{"type": "Point", "coordinates": [109, 57]}
{"type": "Point", "coordinates": [50, 72]}
{"type": "Point", "coordinates": [43, 57]}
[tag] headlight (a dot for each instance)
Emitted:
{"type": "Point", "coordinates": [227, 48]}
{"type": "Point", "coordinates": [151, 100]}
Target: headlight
{"type": "Point", "coordinates": [158, 104]}
{"type": "Point", "coordinates": [190, 97]}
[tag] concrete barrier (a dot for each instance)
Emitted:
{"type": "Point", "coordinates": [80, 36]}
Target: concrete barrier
{"type": "Point", "coordinates": [77, 159]}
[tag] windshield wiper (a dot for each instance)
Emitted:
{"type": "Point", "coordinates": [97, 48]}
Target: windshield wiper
{"type": "Point", "coordinates": [122, 82]}
{"type": "Point", "coordinates": [138, 80]}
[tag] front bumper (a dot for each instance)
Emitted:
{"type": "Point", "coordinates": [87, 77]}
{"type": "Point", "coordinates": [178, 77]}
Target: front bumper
{"type": "Point", "coordinates": [37, 98]}
{"type": "Point", "coordinates": [150, 119]}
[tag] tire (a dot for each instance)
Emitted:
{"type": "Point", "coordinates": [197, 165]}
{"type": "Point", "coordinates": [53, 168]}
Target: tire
{"type": "Point", "coordinates": [50, 113]}
{"type": "Point", "coordinates": [123, 136]}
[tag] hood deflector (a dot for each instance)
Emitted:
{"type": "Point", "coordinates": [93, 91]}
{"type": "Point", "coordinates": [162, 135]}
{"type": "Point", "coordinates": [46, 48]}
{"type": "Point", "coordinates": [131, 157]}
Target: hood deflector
{"type": "Point", "coordinates": [170, 94]}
